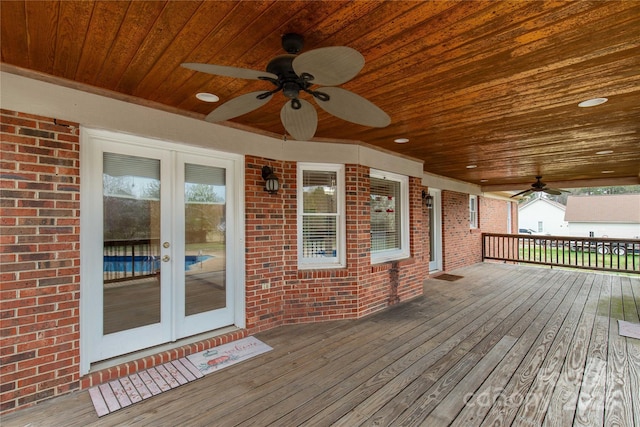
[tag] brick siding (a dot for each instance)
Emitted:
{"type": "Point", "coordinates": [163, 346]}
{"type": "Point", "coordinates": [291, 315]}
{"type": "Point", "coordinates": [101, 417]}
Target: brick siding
{"type": "Point", "coordinates": [494, 215]}
{"type": "Point", "coordinates": [39, 264]}
{"type": "Point", "coordinates": [461, 244]}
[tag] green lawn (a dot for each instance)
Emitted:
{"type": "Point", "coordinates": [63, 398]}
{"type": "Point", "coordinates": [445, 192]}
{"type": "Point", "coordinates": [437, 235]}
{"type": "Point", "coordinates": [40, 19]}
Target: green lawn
{"type": "Point", "coordinates": [565, 256]}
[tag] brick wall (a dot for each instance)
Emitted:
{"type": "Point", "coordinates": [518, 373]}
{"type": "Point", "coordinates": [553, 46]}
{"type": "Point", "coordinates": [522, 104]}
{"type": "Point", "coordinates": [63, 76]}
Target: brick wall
{"type": "Point", "coordinates": [295, 296]}
{"type": "Point", "coordinates": [494, 215]}
{"type": "Point", "coordinates": [265, 244]}
{"type": "Point", "coordinates": [39, 258]}
{"type": "Point", "coordinates": [461, 245]}
{"type": "Point", "coordinates": [388, 283]}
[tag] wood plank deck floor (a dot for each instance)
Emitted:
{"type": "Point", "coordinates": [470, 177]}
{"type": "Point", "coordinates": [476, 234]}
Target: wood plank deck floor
{"type": "Point", "coordinates": [504, 345]}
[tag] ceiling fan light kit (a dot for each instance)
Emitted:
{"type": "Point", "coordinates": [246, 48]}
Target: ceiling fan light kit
{"type": "Point", "coordinates": [295, 74]}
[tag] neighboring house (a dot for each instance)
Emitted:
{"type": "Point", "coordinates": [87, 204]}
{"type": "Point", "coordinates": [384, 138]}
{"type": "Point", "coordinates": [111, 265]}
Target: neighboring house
{"type": "Point", "coordinates": [543, 216]}
{"type": "Point", "coordinates": [347, 234]}
{"type": "Point", "coordinates": [604, 216]}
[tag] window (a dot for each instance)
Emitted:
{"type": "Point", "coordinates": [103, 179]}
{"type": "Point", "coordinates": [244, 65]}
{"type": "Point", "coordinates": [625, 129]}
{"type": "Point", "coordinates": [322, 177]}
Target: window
{"type": "Point", "coordinates": [473, 211]}
{"type": "Point", "coordinates": [389, 216]}
{"type": "Point", "coordinates": [540, 227]}
{"type": "Point", "coordinates": [321, 222]}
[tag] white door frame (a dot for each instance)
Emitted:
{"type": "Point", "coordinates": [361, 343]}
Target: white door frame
{"type": "Point", "coordinates": [91, 269]}
{"type": "Point", "coordinates": [436, 230]}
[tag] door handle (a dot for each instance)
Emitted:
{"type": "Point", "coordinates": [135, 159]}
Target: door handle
{"type": "Point", "coordinates": [166, 258]}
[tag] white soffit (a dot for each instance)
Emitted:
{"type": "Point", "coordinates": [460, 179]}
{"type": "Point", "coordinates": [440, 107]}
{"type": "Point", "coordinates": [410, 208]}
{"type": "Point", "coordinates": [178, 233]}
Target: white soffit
{"type": "Point", "coordinates": [33, 96]}
{"type": "Point", "coordinates": [443, 183]}
{"type": "Point", "coordinates": [102, 112]}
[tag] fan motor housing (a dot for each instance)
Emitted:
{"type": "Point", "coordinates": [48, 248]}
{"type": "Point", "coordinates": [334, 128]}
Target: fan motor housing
{"type": "Point", "coordinates": [282, 67]}
{"type": "Point", "coordinates": [291, 83]}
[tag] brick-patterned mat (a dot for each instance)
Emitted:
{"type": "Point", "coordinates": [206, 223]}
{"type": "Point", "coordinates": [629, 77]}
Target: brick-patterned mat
{"type": "Point", "coordinates": [123, 392]}
{"type": "Point", "coordinates": [126, 391]}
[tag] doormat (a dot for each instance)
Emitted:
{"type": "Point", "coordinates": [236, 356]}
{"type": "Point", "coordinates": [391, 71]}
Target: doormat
{"type": "Point", "coordinates": [227, 354]}
{"type": "Point", "coordinates": [126, 391]}
{"type": "Point", "coordinates": [448, 277]}
{"type": "Point", "coordinates": [628, 329]}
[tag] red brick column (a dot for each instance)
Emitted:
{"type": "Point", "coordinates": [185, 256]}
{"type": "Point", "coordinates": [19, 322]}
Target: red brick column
{"type": "Point", "coordinates": [265, 243]}
{"type": "Point", "coordinates": [462, 245]}
{"type": "Point", "coordinates": [39, 258]}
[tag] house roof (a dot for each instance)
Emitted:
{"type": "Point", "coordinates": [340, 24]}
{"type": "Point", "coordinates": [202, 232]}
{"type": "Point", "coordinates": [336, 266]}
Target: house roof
{"type": "Point", "coordinates": [490, 84]}
{"type": "Point", "coordinates": [620, 208]}
{"type": "Point", "coordinates": [541, 200]}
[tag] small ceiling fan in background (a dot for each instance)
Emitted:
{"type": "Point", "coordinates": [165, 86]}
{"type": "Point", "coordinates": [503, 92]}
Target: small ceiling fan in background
{"type": "Point", "coordinates": [538, 187]}
{"type": "Point", "coordinates": [295, 74]}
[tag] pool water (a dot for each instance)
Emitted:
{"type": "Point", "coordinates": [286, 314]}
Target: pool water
{"type": "Point", "coordinates": [145, 264]}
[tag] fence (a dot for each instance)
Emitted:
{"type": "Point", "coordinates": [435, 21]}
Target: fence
{"type": "Point", "coordinates": [129, 259]}
{"type": "Point", "coordinates": [620, 255]}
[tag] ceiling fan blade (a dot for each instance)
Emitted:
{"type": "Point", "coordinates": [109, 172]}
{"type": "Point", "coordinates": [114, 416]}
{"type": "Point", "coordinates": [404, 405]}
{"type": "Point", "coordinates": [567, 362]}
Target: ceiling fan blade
{"type": "Point", "coordinates": [352, 108]}
{"type": "Point", "coordinates": [555, 191]}
{"type": "Point", "coordinates": [238, 106]}
{"type": "Point", "coordinates": [223, 70]}
{"type": "Point", "coordinates": [329, 66]}
{"type": "Point", "coordinates": [301, 123]}
{"type": "Point", "coordinates": [522, 193]}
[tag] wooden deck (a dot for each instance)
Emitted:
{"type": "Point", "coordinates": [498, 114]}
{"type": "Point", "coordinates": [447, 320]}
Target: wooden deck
{"type": "Point", "coordinates": [504, 345]}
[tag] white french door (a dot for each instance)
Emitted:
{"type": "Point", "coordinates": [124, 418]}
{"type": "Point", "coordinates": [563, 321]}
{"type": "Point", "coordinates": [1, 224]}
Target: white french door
{"type": "Point", "coordinates": [161, 258]}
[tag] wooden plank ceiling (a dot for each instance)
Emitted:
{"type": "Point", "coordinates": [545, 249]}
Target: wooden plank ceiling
{"type": "Point", "coordinates": [491, 84]}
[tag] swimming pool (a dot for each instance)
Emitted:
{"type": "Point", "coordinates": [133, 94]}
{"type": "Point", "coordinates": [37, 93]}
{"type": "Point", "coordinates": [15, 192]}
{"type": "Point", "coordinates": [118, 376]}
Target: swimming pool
{"type": "Point", "coordinates": [144, 264]}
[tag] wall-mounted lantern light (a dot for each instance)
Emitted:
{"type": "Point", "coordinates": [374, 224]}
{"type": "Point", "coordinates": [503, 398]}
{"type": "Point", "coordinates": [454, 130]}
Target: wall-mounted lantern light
{"type": "Point", "coordinates": [428, 199]}
{"type": "Point", "coordinates": [271, 184]}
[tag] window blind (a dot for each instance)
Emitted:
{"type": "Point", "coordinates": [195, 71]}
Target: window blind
{"type": "Point", "coordinates": [208, 175]}
{"type": "Point", "coordinates": [119, 165]}
{"type": "Point", "coordinates": [320, 214]}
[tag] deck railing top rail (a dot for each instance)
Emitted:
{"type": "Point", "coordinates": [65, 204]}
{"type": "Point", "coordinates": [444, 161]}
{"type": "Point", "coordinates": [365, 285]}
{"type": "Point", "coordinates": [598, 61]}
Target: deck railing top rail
{"type": "Point", "coordinates": [594, 253]}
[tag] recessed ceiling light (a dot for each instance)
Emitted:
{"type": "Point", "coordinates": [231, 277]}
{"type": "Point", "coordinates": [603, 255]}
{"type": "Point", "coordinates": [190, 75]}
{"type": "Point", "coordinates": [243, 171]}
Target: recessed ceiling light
{"type": "Point", "coordinates": [472, 166]}
{"type": "Point", "coordinates": [484, 180]}
{"type": "Point", "coordinates": [207, 97]}
{"type": "Point", "coordinates": [401, 140]}
{"type": "Point", "coordinates": [593, 102]}
{"type": "Point", "coordinates": [608, 171]}
{"type": "Point", "coordinates": [604, 152]}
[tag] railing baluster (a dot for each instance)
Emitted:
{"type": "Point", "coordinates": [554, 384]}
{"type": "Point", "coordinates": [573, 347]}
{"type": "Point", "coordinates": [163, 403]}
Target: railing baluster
{"type": "Point", "coordinates": [577, 252]}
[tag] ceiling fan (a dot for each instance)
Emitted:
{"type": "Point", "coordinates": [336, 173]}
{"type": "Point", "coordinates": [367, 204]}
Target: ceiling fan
{"type": "Point", "coordinates": [538, 187]}
{"type": "Point", "coordinates": [293, 74]}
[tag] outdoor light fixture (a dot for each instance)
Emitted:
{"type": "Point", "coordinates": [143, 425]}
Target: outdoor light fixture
{"type": "Point", "coordinates": [428, 199]}
{"type": "Point", "coordinates": [271, 184]}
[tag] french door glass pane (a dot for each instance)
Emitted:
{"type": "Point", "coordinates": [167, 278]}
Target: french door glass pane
{"type": "Point", "coordinates": [205, 238]}
{"type": "Point", "coordinates": [131, 242]}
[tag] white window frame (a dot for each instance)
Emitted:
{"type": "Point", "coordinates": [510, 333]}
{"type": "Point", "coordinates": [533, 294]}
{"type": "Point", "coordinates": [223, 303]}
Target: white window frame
{"type": "Point", "coordinates": [404, 251]}
{"type": "Point", "coordinates": [338, 261]}
{"type": "Point", "coordinates": [473, 211]}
